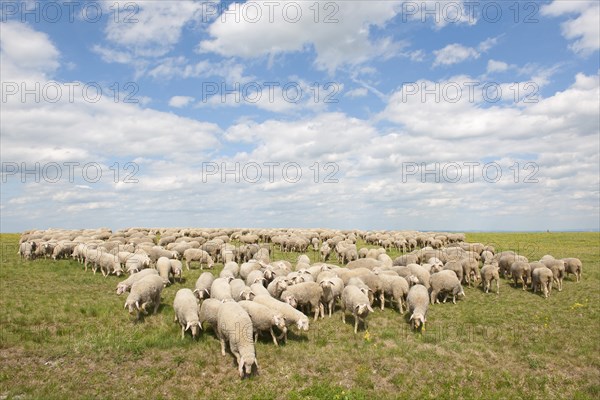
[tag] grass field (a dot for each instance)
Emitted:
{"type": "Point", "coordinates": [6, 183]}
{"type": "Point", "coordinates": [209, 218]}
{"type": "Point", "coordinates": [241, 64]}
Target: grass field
{"type": "Point", "coordinates": [65, 334]}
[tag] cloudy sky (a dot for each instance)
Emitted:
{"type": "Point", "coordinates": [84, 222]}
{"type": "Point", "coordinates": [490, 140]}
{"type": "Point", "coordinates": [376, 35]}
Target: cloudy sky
{"type": "Point", "coordinates": [365, 114]}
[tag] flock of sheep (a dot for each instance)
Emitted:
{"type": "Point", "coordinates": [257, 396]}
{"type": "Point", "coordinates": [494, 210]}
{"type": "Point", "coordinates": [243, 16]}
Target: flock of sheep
{"type": "Point", "coordinates": [253, 294]}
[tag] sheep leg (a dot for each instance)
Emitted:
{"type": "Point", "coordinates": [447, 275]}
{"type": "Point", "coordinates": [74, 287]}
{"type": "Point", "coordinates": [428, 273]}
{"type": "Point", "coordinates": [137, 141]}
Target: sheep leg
{"type": "Point", "coordinates": [497, 286]}
{"type": "Point", "coordinates": [344, 316]}
{"type": "Point", "coordinates": [273, 336]}
{"type": "Point", "coordinates": [355, 324]}
{"type": "Point", "coordinates": [382, 300]}
{"type": "Point", "coordinates": [182, 331]}
{"type": "Point", "coordinates": [222, 346]}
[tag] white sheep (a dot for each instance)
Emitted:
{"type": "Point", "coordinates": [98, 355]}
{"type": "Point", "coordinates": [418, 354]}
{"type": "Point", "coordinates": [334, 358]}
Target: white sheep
{"type": "Point", "coordinates": [125, 285]}
{"type": "Point", "coordinates": [259, 290]}
{"type": "Point", "coordinates": [239, 290]}
{"type": "Point", "coordinates": [221, 290]}
{"type": "Point", "coordinates": [355, 301]}
{"type": "Point", "coordinates": [137, 262]}
{"type": "Point", "coordinates": [277, 286]}
{"type": "Point", "coordinates": [291, 315]}
{"type": "Point", "coordinates": [306, 294]}
{"type": "Point", "coordinates": [176, 269]}
{"type": "Point", "coordinates": [445, 282]}
{"type": "Point", "coordinates": [144, 293]}
{"type": "Point", "coordinates": [396, 288]}
{"type": "Point", "coordinates": [185, 306]}
{"type": "Point", "coordinates": [573, 266]}
{"type": "Point", "coordinates": [332, 292]}
{"type": "Point", "coordinates": [203, 284]}
{"type": "Point", "coordinates": [489, 273]}
{"type": "Point", "coordinates": [264, 319]}
{"type": "Point", "coordinates": [208, 312]}
{"type": "Point", "coordinates": [541, 278]}
{"type": "Point", "coordinates": [163, 266]}
{"type": "Point", "coordinates": [199, 255]}
{"type": "Point", "coordinates": [234, 327]}
{"type": "Point", "coordinates": [418, 303]}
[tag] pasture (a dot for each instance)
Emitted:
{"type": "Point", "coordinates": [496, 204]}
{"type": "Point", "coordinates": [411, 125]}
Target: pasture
{"type": "Point", "coordinates": [65, 334]}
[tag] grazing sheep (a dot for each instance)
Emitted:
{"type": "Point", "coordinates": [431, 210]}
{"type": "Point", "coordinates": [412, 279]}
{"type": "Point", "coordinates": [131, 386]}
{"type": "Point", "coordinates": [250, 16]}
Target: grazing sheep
{"type": "Point", "coordinates": [202, 256]}
{"type": "Point", "coordinates": [248, 267]}
{"type": "Point", "coordinates": [239, 290]}
{"type": "Point", "coordinates": [573, 266]}
{"type": "Point", "coordinates": [137, 262]}
{"type": "Point", "coordinates": [125, 285]}
{"type": "Point", "coordinates": [471, 273]}
{"type": "Point", "coordinates": [176, 269]}
{"type": "Point", "coordinates": [325, 251]}
{"type": "Point", "coordinates": [541, 278]}
{"type": "Point", "coordinates": [359, 283]}
{"type": "Point", "coordinates": [291, 315]}
{"type": "Point", "coordinates": [520, 270]}
{"type": "Point", "coordinates": [264, 319]}
{"type": "Point", "coordinates": [457, 267]}
{"type": "Point", "coordinates": [144, 293]}
{"type": "Point", "coordinates": [558, 270]}
{"type": "Point", "coordinates": [306, 294]}
{"type": "Point", "coordinates": [234, 327]}
{"type": "Point", "coordinates": [163, 266]}
{"type": "Point", "coordinates": [203, 284]}
{"type": "Point", "coordinates": [396, 287]}
{"type": "Point", "coordinates": [506, 260]}
{"type": "Point", "coordinates": [489, 273]}
{"type": "Point", "coordinates": [332, 291]}
{"type": "Point", "coordinates": [277, 286]}
{"type": "Point", "coordinates": [375, 284]}
{"type": "Point", "coordinates": [185, 307]}
{"type": "Point", "coordinates": [221, 290]}
{"type": "Point", "coordinates": [418, 303]}
{"type": "Point", "coordinates": [208, 312]}
{"type": "Point", "coordinates": [355, 301]}
{"type": "Point", "coordinates": [445, 282]}
{"type": "Point", "coordinates": [27, 249]}
{"type": "Point", "coordinates": [256, 276]}
{"type": "Point", "coordinates": [109, 264]}
{"type": "Point", "coordinates": [259, 290]}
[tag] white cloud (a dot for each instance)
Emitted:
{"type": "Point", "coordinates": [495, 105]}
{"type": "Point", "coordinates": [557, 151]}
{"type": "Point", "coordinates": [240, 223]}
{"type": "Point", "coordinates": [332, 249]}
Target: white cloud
{"type": "Point", "coordinates": [345, 41]}
{"type": "Point", "coordinates": [496, 66]}
{"type": "Point", "coordinates": [180, 101]}
{"type": "Point", "coordinates": [453, 54]}
{"type": "Point", "coordinates": [583, 30]}
{"type": "Point", "coordinates": [358, 92]}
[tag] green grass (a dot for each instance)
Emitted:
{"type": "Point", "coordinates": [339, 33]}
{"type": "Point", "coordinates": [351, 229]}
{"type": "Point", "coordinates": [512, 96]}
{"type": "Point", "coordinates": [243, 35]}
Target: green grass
{"type": "Point", "coordinates": [64, 333]}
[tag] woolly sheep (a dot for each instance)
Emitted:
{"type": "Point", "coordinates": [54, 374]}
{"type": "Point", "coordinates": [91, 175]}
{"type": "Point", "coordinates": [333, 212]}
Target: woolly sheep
{"type": "Point", "coordinates": [506, 260]}
{"type": "Point", "coordinates": [221, 290]}
{"type": "Point", "coordinates": [203, 284]}
{"type": "Point", "coordinates": [291, 315]}
{"type": "Point", "coordinates": [239, 290]}
{"type": "Point", "coordinates": [109, 264]}
{"type": "Point", "coordinates": [455, 266]}
{"type": "Point", "coordinates": [199, 255]}
{"type": "Point", "coordinates": [208, 312]}
{"type": "Point", "coordinates": [163, 266]}
{"type": "Point", "coordinates": [186, 310]}
{"type": "Point", "coordinates": [573, 266]}
{"type": "Point", "coordinates": [306, 294]}
{"type": "Point", "coordinates": [248, 267]}
{"type": "Point", "coordinates": [137, 262]}
{"type": "Point", "coordinates": [418, 303]}
{"type": "Point", "coordinates": [144, 293]}
{"type": "Point", "coordinates": [176, 269]}
{"type": "Point", "coordinates": [332, 291]}
{"type": "Point", "coordinates": [445, 282]}
{"type": "Point", "coordinates": [520, 271]}
{"type": "Point", "coordinates": [489, 273]}
{"type": "Point", "coordinates": [259, 290]}
{"type": "Point", "coordinates": [396, 288]}
{"type": "Point", "coordinates": [355, 301]}
{"type": "Point", "coordinates": [256, 276]}
{"type": "Point", "coordinates": [125, 285]}
{"type": "Point", "coordinates": [234, 327]}
{"type": "Point", "coordinates": [541, 278]}
{"type": "Point", "coordinates": [277, 286]}
{"type": "Point", "coordinates": [264, 319]}
{"type": "Point", "coordinates": [375, 284]}
{"type": "Point", "coordinates": [471, 273]}
{"type": "Point", "coordinates": [558, 270]}
{"type": "Point", "coordinates": [27, 249]}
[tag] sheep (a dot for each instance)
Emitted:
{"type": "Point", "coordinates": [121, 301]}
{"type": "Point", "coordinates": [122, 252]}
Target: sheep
{"type": "Point", "coordinates": [144, 293]}
{"type": "Point", "coordinates": [221, 290]}
{"type": "Point", "coordinates": [307, 294]}
{"type": "Point", "coordinates": [259, 290]}
{"type": "Point", "coordinates": [418, 303]}
{"type": "Point", "coordinates": [163, 266]}
{"type": "Point", "coordinates": [471, 273]}
{"type": "Point", "coordinates": [109, 264]}
{"type": "Point", "coordinates": [186, 310]}
{"type": "Point", "coordinates": [489, 273]}
{"type": "Point", "coordinates": [264, 319]}
{"type": "Point", "coordinates": [355, 301]}
{"type": "Point", "coordinates": [325, 251]}
{"type": "Point", "coordinates": [239, 290]}
{"type": "Point", "coordinates": [203, 284]}
{"type": "Point", "coordinates": [421, 274]}
{"type": "Point", "coordinates": [542, 278]}
{"type": "Point", "coordinates": [208, 312]}
{"type": "Point", "coordinates": [234, 326]}
{"type": "Point", "coordinates": [520, 270]}
{"type": "Point", "coordinates": [137, 262]}
{"type": "Point", "coordinates": [157, 252]}
{"type": "Point", "coordinates": [277, 286]}
{"type": "Point", "coordinates": [199, 255]}
{"type": "Point", "coordinates": [176, 269]}
{"type": "Point", "coordinates": [233, 267]}
{"type": "Point", "coordinates": [455, 266]}
{"type": "Point", "coordinates": [573, 266]}
{"type": "Point", "coordinates": [445, 282]}
{"type": "Point", "coordinates": [375, 285]}
{"type": "Point", "coordinates": [558, 270]}
{"type": "Point", "coordinates": [125, 285]}
{"type": "Point", "coordinates": [396, 287]}
{"type": "Point", "coordinates": [303, 258]}
{"type": "Point", "coordinates": [332, 291]}
{"type": "Point", "coordinates": [248, 267]}
{"type": "Point", "coordinates": [291, 315]}
{"type": "Point", "coordinates": [256, 276]}
{"type": "Point", "coordinates": [506, 260]}
{"type": "Point", "coordinates": [27, 250]}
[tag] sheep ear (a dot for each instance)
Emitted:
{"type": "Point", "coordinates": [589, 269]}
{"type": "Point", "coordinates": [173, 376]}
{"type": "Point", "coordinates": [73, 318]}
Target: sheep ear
{"type": "Point", "coordinates": [188, 326]}
{"type": "Point", "coordinates": [412, 317]}
{"type": "Point", "coordinates": [137, 305]}
{"type": "Point", "coordinates": [125, 306]}
{"type": "Point", "coordinates": [370, 308]}
{"type": "Point", "coordinates": [196, 291]}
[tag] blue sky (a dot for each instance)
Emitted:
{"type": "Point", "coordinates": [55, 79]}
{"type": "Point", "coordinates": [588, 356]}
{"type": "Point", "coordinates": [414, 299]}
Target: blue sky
{"type": "Point", "coordinates": [395, 115]}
